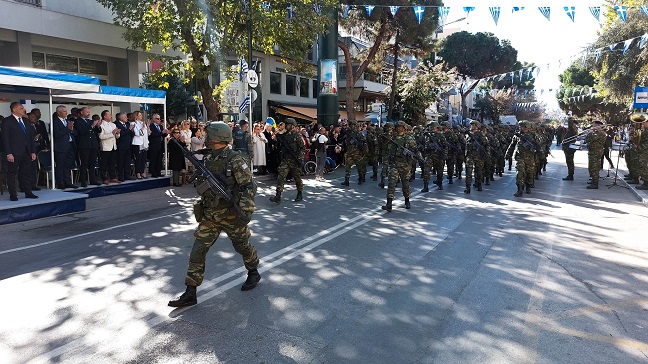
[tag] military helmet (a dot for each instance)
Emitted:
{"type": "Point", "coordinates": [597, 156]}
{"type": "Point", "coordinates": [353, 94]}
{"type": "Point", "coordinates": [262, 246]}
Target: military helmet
{"type": "Point", "coordinates": [475, 122]}
{"type": "Point", "coordinates": [353, 123]}
{"type": "Point", "coordinates": [523, 124]}
{"type": "Point", "coordinates": [291, 121]}
{"type": "Point", "coordinates": [218, 131]}
{"type": "Point", "coordinates": [401, 123]}
{"type": "Point", "coordinates": [434, 124]}
{"type": "Point", "coordinates": [389, 125]}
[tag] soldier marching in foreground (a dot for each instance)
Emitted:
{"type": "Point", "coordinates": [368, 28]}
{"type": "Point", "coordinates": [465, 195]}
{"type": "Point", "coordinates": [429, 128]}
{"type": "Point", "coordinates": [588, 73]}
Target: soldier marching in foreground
{"type": "Point", "coordinates": [399, 155]}
{"type": "Point", "coordinates": [215, 214]}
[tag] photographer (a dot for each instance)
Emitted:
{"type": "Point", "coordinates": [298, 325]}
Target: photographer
{"type": "Point", "coordinates": [320, 141]}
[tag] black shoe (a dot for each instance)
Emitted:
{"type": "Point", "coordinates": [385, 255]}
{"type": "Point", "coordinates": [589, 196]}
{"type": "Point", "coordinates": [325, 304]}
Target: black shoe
{"type": "Point", "coordinates": [71, 186]}
{"type": "Point", "coordinates": [13, 198]}
{"type": "Point", "coordinates": [188, 298]}
{"type": "Point", "coordinates": [30, 195]}
{"type": "Point", "coordinates": [592, 187]}
{"type": "Point", "coordinates": [276, 198]}
{"type": "Point", "coordinates": [479, 188]}
{"type": "Point", "coordinates": [252, 279]}
{"type": "Point", "coordinates": [35, 188]}
{"type": "Point", "coordinates": [407, 203]}
{"type": "Point", "coordinates": [299, 196]}
{"type": "Point", "coordinates": [467, 190]}
{"type": "Point", "coordinates": [388, 206]}
{"type": "Point", "coordinates": [568, 178]}
{"type": "Point", "coordinates": [83, 184]}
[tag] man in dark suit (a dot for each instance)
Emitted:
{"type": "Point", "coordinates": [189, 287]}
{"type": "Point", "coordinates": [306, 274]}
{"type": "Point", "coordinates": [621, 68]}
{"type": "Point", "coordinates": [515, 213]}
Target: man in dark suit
{"type": "Point", "coordinates": [63, 140]}
{"type": "Point", "coordinates": [88, 146]}
{"type": "Point", "coordinates": [18, 141]}
{"type": "Point", "coordinates": [156, 146]}
{"type": "Point", "coordinates": [124, 142]}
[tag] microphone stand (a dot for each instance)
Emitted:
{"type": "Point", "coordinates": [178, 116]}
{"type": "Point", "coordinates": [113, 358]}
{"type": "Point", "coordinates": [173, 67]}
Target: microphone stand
{"type": "Point", "coordinates": [616, 171]}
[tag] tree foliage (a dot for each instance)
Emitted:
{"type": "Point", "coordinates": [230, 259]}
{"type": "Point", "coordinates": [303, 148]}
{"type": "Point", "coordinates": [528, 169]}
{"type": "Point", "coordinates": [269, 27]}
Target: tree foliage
{"type": "Point", "coordinates": [209, 30]}
{"type": "Point", "coordinates": [177, 95]}
{"type": "Point", "coordinates": [421, 87]}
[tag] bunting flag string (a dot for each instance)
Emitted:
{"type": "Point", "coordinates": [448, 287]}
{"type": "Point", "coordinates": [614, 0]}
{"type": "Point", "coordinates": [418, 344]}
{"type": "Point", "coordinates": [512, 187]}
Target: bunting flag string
{"type": "Point", "coordinates": [495, 13]}
{"type": "Point", "coordinates": [571, 12]}
{"type": "Point", "coordinates": [596, 12]}
{"type": "Point", "coordinates": [546, 11]}
{"type": "Point", "coordinates": [622, 11]}
{"type": "Point", "coordinates": [369, 9]}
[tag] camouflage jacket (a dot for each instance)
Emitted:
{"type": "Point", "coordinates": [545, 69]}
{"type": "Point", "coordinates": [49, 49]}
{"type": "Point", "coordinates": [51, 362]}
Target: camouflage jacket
{"type": "Point", "coordinates": [231, 168]}
{"type": "Point", "coordinates": [291, 140]}
{"type": "Point", "coordinates": [596, 141]}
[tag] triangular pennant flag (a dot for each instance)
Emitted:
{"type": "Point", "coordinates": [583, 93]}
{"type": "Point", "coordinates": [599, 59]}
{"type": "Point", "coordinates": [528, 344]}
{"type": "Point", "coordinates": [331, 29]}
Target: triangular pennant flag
{"type": "Point", "coordinates": [622, 11]}
{"type": "Point", "coordinates": [584, 58]}
{"type": "Point", "coordinates": [369, 9]}
{"type": "Point", "coordinates": [517, 8]}
{"type": "Point", "coordinates": [582, 89]}
{"type": "Point", "coordinates": [596, 12]}
{"type": "Point", "coordinates": [291, 12]}
{"type": "Point", "coordinates": [501, 77]}
{"type": "Point", "coordinates": [495, 12]}
{"type": "Point", "coordinates": [246, 6]}
{"type": "Point", "coordinates": [571, 12]}
{"type": "Point", "coordinates": [418, 12]}
{"type": "Point", "coordinates": [521, 74]}
{"type": "Point", "coordinates": [546, 11]}
{"type": "Point", "coordinates": [627, 44]}
{"type": "Point", "coordinates": [318, 9]}
{"type": "Point", "coordinates": [443, 13]}
{"type": "Point", "coordinates": [642, 42]}
{"type": "Point", "coordinates": [612, 46]}
{"type": "Point", "coordinates": [266, 5]}
{"type": "Point", "coordinates": [468, 9]}
{"type": "Point", "coordinates": [512, 74]}
{"type": "Point", "coordinates": [345, 11]}
{"type": "Point", "coordinates": [597, 54]}
{"type": "Point", "coordinates": [393, 10]}
{"type": "Point", "coordinates": [644, 9]}
{"type": "Point", "coordinates": [243, 69]}
{"type": "Point", "coordinates": [541, 91]}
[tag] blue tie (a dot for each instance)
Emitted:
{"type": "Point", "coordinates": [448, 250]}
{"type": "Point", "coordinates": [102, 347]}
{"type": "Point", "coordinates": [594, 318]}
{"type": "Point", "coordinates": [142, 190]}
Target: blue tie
{"type": "Point", "coordinates": [22, 125]}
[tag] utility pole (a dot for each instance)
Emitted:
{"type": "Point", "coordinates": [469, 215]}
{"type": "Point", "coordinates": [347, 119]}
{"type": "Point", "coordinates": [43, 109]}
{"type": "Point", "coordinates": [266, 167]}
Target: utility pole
{"type": "Point", "coordinates": [328, 103]}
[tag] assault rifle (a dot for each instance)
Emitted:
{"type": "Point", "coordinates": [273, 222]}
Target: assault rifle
{"type": "Point", "coordinates": [476, 143]}
{"type": "Point", "coordinates": [212, 182]}
{"type": "Point", "coordinates": [435, 145]}
{"type": "Point", "coordinates": [530, 144]}
{"type": "Point", "coordinates": [408, 152]}
{"type": "Point", "coordinates": [290, 151]}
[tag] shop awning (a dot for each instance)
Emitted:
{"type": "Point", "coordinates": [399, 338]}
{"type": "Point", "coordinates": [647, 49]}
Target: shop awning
{"type": "Point", "coordinates": [304, 113]}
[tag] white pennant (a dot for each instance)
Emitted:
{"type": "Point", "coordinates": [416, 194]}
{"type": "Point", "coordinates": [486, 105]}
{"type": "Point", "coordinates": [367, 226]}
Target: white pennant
{"type": "Point", "coordinates": [626, 45]}
{"type": "Point", "coordinates": [393, 10]}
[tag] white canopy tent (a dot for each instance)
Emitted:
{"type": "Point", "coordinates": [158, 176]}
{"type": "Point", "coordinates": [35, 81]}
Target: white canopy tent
{"type": "Point", "coordinates": [30, 83]}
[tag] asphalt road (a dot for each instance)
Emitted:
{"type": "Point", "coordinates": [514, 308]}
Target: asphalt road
{"type": "Point", "coordinates": [558, 276]}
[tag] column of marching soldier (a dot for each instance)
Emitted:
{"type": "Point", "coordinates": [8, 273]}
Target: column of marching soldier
{"type": "Point", "coordinates": [484, 150]}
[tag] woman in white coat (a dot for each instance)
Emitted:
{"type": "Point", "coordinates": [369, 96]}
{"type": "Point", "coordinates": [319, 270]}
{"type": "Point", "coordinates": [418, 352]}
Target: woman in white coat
{"type": "Point", "coordinates": [259, 142]}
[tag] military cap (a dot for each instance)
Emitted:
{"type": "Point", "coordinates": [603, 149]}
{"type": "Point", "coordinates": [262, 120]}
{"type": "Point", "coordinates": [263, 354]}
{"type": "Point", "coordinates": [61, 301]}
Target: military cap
{"type": "Point", "coordinates": [353, 123]}
{"type": "Point", "coordinates": [218, 131]}
{"type": "Point", "coordinates": [291, 121]}
{"type": "Point", "coordinates": [444, 124]}
{"type": "Point", "coordinates": [475, 122]}
{"type": "Point", "coordinates": [389, 125]}
{"type": "Point", "coordinates": [523, 124]}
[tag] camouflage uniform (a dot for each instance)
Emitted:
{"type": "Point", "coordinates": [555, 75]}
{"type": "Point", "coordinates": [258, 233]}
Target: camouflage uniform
{"type": "Point", "coordinates": [384, 152]}
{"type": "Point", "coordinates": [355, 147]}
{"type": "Point", "coordinates": [215, 215]}
{"type": "Point", "coordinates": [400, 165]}
{"type": "Point", "coordinates": [523, 151]}
{"type": "Point", "coordinates": [642, 158]}
{"type": "Point", "coordinates": [461, 153]}
{"type": "Point", "coordinates": [572, 131]}
{"type": "Point", "coordinates": [476, 152]}
{"type": "Point", "coordinates": [595, 145]}
{"type": "Point", "coordinates": [290, 165]}
{"type": "Point", "coordinates": [435, 152]}
{"type": "Point", "coordinates": [371, 157]}
{"type": "Point", "coordinates": [489, 161]}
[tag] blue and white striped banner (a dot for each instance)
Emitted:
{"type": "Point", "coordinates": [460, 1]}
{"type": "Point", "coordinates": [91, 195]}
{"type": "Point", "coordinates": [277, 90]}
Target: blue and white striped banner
{"type": "Point", "coordinates": [596, 12]}
{"type": "Point", "coordinates": [571, 12]}
{"type": "Point", "coordinates": [546, 11]}
{"type": "Point", "coordinates": [244, 69]}
{"type": "Point", "coordinates": [495, 13]}
{"type": "Point", "coordinates": [244, 104]}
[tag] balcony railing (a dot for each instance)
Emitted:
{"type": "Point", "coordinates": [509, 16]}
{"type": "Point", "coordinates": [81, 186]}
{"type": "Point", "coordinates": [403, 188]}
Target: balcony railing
{"type": "Point", "coordinates": [31, 2]}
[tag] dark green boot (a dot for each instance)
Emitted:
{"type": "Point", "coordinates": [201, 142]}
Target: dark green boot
{"type": "Point", "coordinates": [528, 188]}
{"type": "Point", "coordinates": [382, 182]}
{"type": "Point", "coordinates": [299, 196]}
{"type": "Point", "coordinates": [277, 198]}
{"type": "Point", "coordinates": [519, 191]}
{"type": "Point", "coordinates": [426, 187]}
{"type": "Point", "coordinates": [346, 181]}
{"type": "Point", "coordinates": [252, 279]}
{"type": "Point", "coordinates": [188, 298]}
{"type": "Point", "coordinates": [388, 206]}
{"type": "Point", "coordinates": [407, 203]}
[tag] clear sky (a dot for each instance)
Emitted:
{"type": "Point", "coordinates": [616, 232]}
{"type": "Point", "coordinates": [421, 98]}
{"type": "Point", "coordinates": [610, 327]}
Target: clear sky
{"type": "Point", "coordinates": [549, 44]}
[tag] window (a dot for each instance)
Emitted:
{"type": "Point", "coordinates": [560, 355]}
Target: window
{"type": "Point", "coordinates": [303, 87]}
{"type": "Point", "coordinates": [291, 85]}
{"type": "Point", "coordinates": [315, 89]}
{"type": "Point", "coordinates": [38, 60]}
{"type": "Point", "coordinates": [57, 62]}
{"type": "Point", "coordinates": [275, 83]}
{"type": "Point", "coordinates": [93, 67]}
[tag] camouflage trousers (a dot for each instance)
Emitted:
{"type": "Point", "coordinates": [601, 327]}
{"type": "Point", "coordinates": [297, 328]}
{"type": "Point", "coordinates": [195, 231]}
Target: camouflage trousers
{"type": "Point", "coordinates": [526, 170]}
{"type": "Point", "coordinates": [384, 172]}
{"type": "Point", "coordinates": [459, 162]}
{"type": "Point", "coordinates": [450, 163]}
{"type": "Point", "coordinates": [594, 165]}
{"type": "Point", "coordinates": [477, 165]}
{"type": "Point", "coordinates": [642, 165]}
{"type": "Point", "coordinates": [437, 164]}
{"type": "Point", "coordinates": [351, 158]}
{"type": "Point", "coordinates": [284, 170]}
{"type": "Point", "coordinates": [399, 171]}
{"type": "Point", "coordinates": [213, 223]}
{"type": "Point", "coordinates": [632, 161]}
{"type": "Point", "coordinates": [372, 161]}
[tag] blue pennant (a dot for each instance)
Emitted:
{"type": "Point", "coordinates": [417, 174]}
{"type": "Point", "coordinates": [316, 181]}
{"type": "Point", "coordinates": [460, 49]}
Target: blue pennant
{"type": "Point", "coordinates": [290, 11]}
{"type": "Point", "coordinates": [642, 42]}
{"type": "Point", "coordinates": [596, 12]}
{"type": "Point", "coordinates": [266, 5]}
{"type": "Point", "coordinates": [517, 8]}
{"type": "Point", "coordinates": [369, 9]}
{"type": "Point", "coordinates": [597, 54]}
{"type": "Point", "coordinates": [644, 9]}
{"type": "Point", "coordinates": [418, 12]}
{"type": "Point", "coordinates": [571, 12]}
{"type": "Point", "coordinates": [495, 12]}
{"type": "Point", "coordinates": [622, 11]}
{"type": "Point", "coordinates": [626, 45]}
{"type": "Point", "coordinates": [345, 11]}
{"type": "Point", "coordinates": [468, 9]}
{"type": "Point", "coordinates": [546, 11]}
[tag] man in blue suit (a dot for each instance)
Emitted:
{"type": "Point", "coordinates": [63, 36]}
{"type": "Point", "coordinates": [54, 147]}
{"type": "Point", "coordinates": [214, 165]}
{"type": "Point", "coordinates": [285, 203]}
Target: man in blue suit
{"type": "Point", "coordinates": [87, 144]}
{"type": "Point", "coordinates": [124, 154]}
{"type": "Point", "coordinates": [18, 141]}
{"type": "Point", "coordinates": [63, 141]}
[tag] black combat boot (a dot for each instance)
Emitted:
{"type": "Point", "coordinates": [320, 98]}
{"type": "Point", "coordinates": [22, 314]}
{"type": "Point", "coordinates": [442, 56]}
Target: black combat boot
{"type": "Point", "coordinates": [450, 180]}
{"type": "Point", "coordinates": [407, 203]}
{"type": "Point", "coordinates": [388, 206]}
{"type": "Point", "coordinates": [528, 188]}
{"type": "Point", "coordinates": [440, 185]}
{"type": "Point", "coordinates": [593, 186]}
{"type": "Point", "coordinates": [361, 179]}
{"type": "Point", "coordinates": [374, 176]}
{"type": "Point", "coordinates": [381, 184]}
{"type": "Point", "coordinates": [487, 182]}
{"type": "Point", "coordinates": [568, 178]}
{"type": "Point", "coordinates": [519, 191]}
{"type": "Point", "coordinates": [188, 298]}
{"type": "Point", "coordinates": [277, 198]}
{"type": "Point", "coordinates": [252, 279]}
{"type": "Point", "coordinates": [346, 181]}
{"type": "Point", "coordinates": [426, 186]}
{"type": "Point", "coordinates": [479, 187]}
{"type": "Point", "coordinates": [299, 196]}
{"type": "Point", "coordinates": [467, 190]}
{"type": "Point", "coordinates": [459, 176]}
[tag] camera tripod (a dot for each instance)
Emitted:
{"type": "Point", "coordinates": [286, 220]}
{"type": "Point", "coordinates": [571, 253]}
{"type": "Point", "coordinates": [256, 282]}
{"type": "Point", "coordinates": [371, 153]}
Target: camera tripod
{"type": "Point", "coordinates": [616, 170]}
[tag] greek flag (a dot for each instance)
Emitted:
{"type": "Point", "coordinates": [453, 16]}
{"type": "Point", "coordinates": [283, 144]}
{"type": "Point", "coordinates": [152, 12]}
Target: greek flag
{"type": "Point", "coordinates": [626, 45]}
{"type": "Point", "coordinates": [495, 12]}
{"type": "Point", "coordinates": [517, 8]}
{"type": "Point", "coordinates": [597, 54]}
{"type": "Point", "coordinates": [418, 12]}
{"type": "Point", "coordinates": [596, 12]}
{"type": "Point", "coordinates": [244, 69]}
{"type": "Point", "coordinates": [644, 9]}
{"type": "Point", "coordinates": [622, 11]}
{"type": "Point", "coordinates": [468, 9]}
{"type": "Point", "coordinates": [642, 42]}
{"type": "Point", "coordinates": [571, 12]}
{"type": "Point", "coordinates": [393, 10]}
{"type": "Point", "coordinates": [369, 9]}
{"type": "Point", "coordinates": [546, 11]}
{"type": "Point", "coordinates": [244, 104]}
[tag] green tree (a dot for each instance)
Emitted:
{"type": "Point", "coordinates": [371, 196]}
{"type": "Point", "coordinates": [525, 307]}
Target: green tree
{"type": "Point", "coordinates": [476, 56]}
{"type": "Point", "coordinates": [420, 87]}
{"type": "Point", "coordinates": [209, 30]}
{"type": "Point", "coordinates": [177, 95]}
